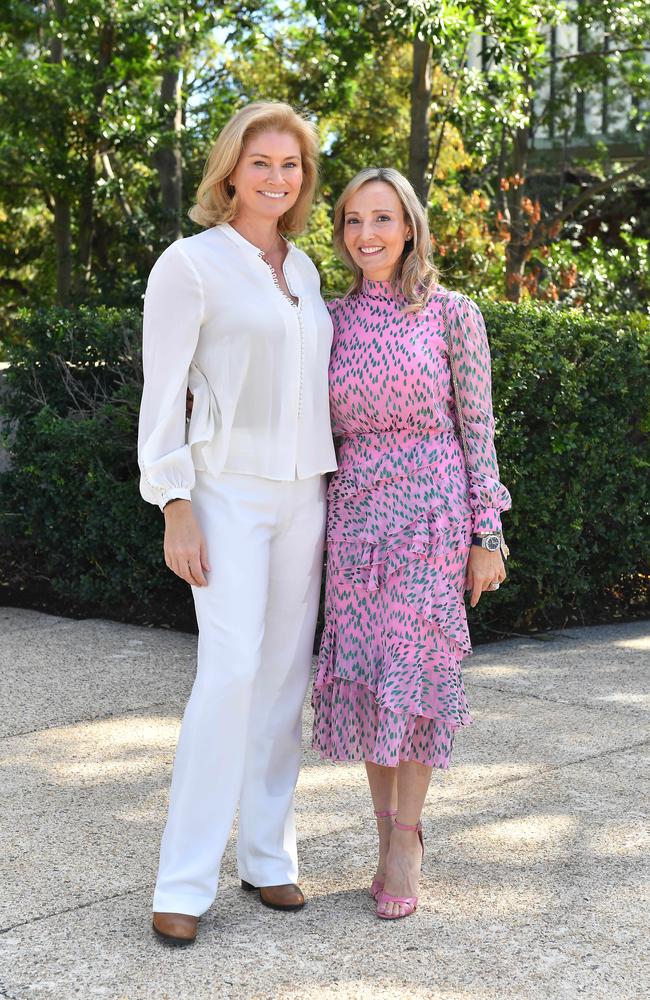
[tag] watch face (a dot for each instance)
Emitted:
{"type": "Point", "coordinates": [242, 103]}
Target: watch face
{"type": "Point", "coordinates": [492, 543]}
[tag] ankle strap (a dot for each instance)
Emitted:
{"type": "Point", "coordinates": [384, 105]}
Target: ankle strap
{"type": "Point", "coordinates": [382, 813]}
{"type": "Point", "coordinates": [407, 826]}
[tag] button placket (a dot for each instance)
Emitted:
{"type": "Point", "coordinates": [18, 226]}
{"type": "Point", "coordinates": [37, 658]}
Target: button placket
{"type": "Point", "coordinates": [298, 307]}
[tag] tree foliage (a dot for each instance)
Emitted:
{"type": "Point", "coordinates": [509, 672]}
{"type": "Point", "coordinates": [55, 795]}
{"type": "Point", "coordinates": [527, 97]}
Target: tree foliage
{"type": "Point", "coordinates": [108, 110]}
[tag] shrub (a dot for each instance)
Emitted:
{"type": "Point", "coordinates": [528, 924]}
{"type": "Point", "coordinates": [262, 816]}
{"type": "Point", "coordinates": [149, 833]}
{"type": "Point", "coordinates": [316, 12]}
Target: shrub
{"type": "Point", "coordinates": [77, 535]}
{"type": "Point", "coordinates": [572, 403]}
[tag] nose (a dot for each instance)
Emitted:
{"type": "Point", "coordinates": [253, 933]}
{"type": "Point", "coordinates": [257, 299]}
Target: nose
{"type": "Point", "coordinates": [367, 231]}
{"type": "Point", "coordinates": [275, 176]}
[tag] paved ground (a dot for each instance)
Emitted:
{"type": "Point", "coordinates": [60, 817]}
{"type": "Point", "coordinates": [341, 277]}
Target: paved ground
{"type": "Point", "coordinates": [537, 840]}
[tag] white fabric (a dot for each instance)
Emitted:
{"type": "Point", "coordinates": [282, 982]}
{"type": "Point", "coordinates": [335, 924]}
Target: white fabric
{"type": "Point", "coordinates": [214, 318]}
{"type": "Point", "coordinates": [240, 736]}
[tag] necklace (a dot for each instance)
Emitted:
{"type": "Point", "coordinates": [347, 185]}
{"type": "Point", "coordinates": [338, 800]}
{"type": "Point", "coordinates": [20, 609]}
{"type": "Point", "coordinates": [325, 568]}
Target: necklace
{"type": "Point", "coordinates": [272, 248]}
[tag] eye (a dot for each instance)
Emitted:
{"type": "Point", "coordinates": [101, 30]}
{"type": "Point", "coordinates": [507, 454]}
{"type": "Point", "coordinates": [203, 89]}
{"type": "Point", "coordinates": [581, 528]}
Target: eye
{"type": "Point", "coordinates": [260, 163]}
{"type": "Point", "coordinates": [293, 164]}
{"type": "Point", "coordinates": [383, 218]}
{"type": "Point", "coordinates": [350, 222]}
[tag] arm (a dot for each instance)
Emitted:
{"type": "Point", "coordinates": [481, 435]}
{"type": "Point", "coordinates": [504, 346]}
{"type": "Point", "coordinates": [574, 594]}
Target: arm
{"type": "Point", "coordinates": [173, 312]}
{"type": "Point", "coordinates": [468, 341]}
{"type": "Point", "coordinates": [173, 309]}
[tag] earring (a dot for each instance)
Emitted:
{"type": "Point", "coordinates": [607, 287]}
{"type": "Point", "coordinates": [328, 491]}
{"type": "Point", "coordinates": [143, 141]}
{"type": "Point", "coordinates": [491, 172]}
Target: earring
{"type": "Point", "coordinates": [231, 190]}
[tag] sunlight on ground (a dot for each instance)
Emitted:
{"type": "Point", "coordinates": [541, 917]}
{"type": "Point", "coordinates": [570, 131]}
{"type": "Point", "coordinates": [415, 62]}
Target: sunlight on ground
{"type": "Point", "coordinates": [323, 776]}
{"type": "Point", "coordinates": [463, 778]}
{"type": "Point", "coordinates": [375, 989]}
{"type": "Point", "coordinates": [464, 897]}
{"type": "Point", "coordinates": [625, 698]}
{"type": "Point", "coordinates": [621, 840]}
{"type": "Point", "coordinates": [518, 840]}
{"type": "Point", "coordinates": [493, 671]}
{"type": "Point", "coordinates": [106, 749]}
{"type": "Point", "coordinates": [642, 643]}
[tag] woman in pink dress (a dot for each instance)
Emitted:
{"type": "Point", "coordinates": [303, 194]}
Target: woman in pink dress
{"type": "Point", "coordinates": [413, 518]}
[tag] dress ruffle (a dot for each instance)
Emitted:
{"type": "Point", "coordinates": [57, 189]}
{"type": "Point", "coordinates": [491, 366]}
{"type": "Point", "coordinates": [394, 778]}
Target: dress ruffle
{"type": "Point", "coordinates": [378, 695]}
{"type": "Point", "coordinates": [404, 703]}
{"type": "Point", "coordinates": [410, 525]}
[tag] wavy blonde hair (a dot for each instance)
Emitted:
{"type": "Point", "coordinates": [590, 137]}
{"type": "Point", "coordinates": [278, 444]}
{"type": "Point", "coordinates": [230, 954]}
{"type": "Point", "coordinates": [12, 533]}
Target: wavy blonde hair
{"type": "Point", "coordinates": [415, 274]}
{"type": "Point", "coordinates": [216, 199]}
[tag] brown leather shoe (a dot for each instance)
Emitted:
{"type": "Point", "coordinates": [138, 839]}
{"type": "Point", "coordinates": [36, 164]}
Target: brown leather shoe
{"type": "Point", "coordinates": [175, 928]}
{"type": "Point", "coordinates": [278, 897]}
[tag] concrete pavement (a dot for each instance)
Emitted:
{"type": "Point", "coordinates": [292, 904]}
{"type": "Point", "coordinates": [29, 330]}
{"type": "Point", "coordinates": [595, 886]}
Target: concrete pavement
{"type": "Point", "coordinates": [537, 842]}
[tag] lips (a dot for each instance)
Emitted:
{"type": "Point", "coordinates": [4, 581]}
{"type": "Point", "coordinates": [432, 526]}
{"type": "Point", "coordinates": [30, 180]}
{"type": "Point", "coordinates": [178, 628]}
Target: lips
{"type": "Point", "coordinates": [275, 195]}
{"type": "Point", "coordinates": [370, 251]}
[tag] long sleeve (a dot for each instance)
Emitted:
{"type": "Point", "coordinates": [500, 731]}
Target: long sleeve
{"type": "Point", "coordinates": [469, 344]}
{"type": "Point", "coordinates": [173, 312]}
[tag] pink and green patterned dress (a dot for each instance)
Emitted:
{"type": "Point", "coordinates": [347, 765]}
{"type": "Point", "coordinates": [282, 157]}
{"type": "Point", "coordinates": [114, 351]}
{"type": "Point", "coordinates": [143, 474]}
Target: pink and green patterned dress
{"type": "Point", "coordinates": [401, 511]}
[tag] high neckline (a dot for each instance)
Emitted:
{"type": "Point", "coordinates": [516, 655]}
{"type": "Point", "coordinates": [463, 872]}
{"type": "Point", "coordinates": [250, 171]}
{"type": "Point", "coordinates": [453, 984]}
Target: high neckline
{"type": "Point", "coordinates": [378, 289]}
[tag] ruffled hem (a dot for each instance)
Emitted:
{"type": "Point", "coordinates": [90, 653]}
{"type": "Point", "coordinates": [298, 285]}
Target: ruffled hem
{"type": "Point", "coordinates": [404, 703]}
{"type": "Point", "coordinates": [405, 677]}
{"type": "Point", "coordinates": [350, 725]}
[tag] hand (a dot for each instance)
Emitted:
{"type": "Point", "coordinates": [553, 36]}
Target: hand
{"type": "Point", "coordinates": [189, 403]}
{"type": "Point", "coordinates": [185, 550]}
{"type": "Point", "coordinates": [483, 569]}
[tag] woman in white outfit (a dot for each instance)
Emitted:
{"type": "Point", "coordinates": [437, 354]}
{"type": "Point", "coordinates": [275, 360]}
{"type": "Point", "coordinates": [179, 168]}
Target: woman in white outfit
{"type": "Point", "coordinates": [235, 314]}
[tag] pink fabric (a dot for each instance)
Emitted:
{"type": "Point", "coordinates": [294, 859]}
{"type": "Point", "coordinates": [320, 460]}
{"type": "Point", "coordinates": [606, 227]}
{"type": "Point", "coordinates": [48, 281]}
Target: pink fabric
{"type": "Point", "coordinates": [401, 510]}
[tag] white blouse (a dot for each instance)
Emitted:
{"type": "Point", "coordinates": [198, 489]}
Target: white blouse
{"type": "Point", "coordinates": [216, 319]}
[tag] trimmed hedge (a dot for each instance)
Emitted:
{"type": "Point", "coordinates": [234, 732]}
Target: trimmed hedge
{"type": "Point", "coordinates": [572, 401]}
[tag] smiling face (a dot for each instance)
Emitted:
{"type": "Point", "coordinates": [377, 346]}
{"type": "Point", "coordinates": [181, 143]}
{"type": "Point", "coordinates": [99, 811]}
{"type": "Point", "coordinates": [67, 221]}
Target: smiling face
{"type": "Point", "coordinates": [268, 175]}
{"type": "Point", "coordinates": [375, 229]}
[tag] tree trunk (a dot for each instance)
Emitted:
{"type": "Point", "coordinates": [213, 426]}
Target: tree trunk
{"type": "Point", "coordinates": [420, 113]}
{"type": "Point", "coordinates": [518, 250]}
{"type": "Point", "coordinates": [516, 258]}
{"type": "Point", "coordinates": [63, 244]}
{"type": "Point", "coordinates": [92, 143]}
{"type": "Point", "coordinates": [60, 203]}
{"type": "Point", "coordinates": [86, 226]}
{"type": "Point", "coordinates": [167, 157]}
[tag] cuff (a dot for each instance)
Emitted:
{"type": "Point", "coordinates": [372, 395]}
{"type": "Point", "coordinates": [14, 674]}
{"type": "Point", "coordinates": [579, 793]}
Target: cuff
{"type": "Point", "coordinates": [487, 519]}
{"type": "Point", "coordinates": [178, 494]}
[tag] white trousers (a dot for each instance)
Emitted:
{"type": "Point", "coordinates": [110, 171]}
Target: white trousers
{"type": "Point", "coordinates": [240, 737]}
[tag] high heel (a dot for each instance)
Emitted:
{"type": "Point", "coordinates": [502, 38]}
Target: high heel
{"type": "Point", "coordinates": [377, 887]}
{"type": "Point", "coordinates": [409, 902]}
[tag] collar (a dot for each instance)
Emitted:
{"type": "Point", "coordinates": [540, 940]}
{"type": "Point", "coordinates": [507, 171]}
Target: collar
{"type": "Point", "coordinates": [379, 289]}
{"type": "Point", "coordinates": [246, 244]}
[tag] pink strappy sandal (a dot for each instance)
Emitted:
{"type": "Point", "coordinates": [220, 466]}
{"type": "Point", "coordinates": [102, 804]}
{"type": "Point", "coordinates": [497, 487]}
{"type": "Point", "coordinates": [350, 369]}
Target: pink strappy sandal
{"type": "Point", "coordinates": [409, 902]}
{"type": "Point", "coordinates": [377, 887]}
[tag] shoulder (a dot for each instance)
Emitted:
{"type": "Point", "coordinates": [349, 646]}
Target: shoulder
{"type": "Point", "coordinates": [196, 248]}
{"type": "Point", "coordinates": [461, 310]}
{"type": "Point", "coordinates": [177, 264]}
{"type": "Point", "coordinates": [334, 306]}
{"type": "Point", "coordinates": [340, 311]}
{"type": "Point", "coordinates": [462, 306]}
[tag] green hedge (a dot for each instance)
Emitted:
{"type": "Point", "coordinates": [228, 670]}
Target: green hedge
{"type": "Point", "coordinates": [572, 401]}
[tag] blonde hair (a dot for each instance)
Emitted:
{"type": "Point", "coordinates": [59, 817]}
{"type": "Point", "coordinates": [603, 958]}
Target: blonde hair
{"type": "Point", "coordinates": [415, 274]}
{"type": "Point", "coordinates": [216, 200]}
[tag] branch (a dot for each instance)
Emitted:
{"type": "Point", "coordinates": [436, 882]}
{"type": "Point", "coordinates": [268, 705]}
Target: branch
{"type": "Point", "coordinates": [445, 116]}
{"type": "Point", "coordinates": [124, 204]}
{"type": "Point", "coordinates": [596, 52]}
{"type": "Point", "coordinates": [571, 208]}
